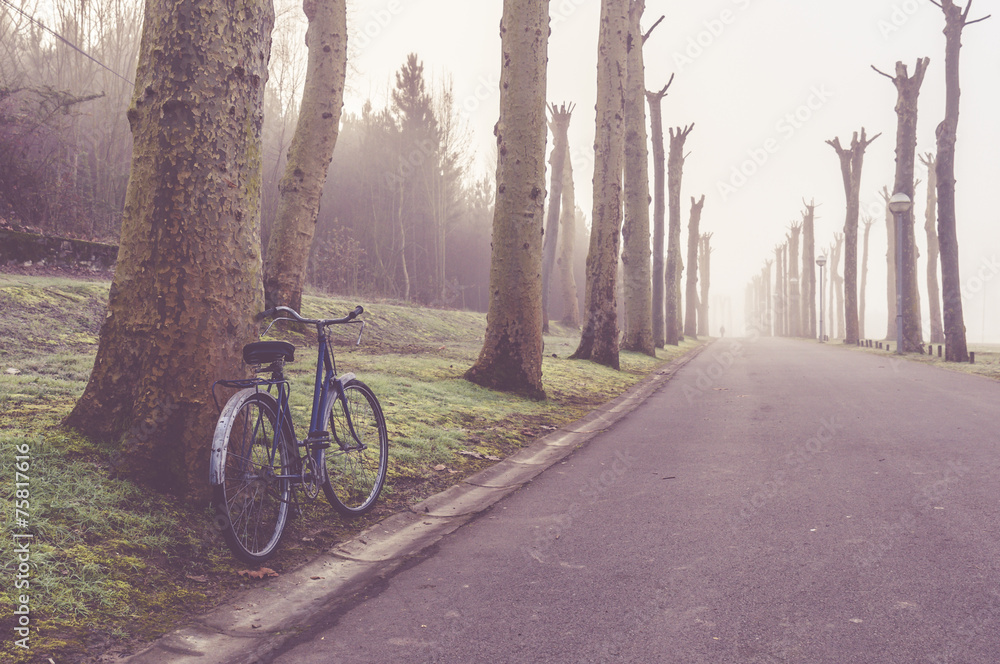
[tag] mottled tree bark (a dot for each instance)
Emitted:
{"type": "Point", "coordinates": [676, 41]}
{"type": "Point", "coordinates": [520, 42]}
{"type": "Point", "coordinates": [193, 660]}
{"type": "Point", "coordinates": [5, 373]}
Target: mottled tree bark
{"type": "Point", "coordinates": [956, 349]}
{"type": "Point", "coordinates": [599, 337]}
{"type": "Point", "coordinates": [659, 210]}
{"type": "Point", "coordinates": [309, 155]}
{"type": "Point", "coordinates": [705, 267]}
{"type": "Point", "coordinates": [511, 358]}
{"type": "Point", "coordinates": [850, 168]}
{"type": "Point", "coordinates": [675, 172]}
{"type": "Point", "coordinates": [691, 290]}
{"type": "Point", "coordinates": [188, 281]}
{"type": "Point", "coordinates": [567, 250]}
{"type": "Point", "coordinates": [933, 251]}
{"type": "Point", "coordinates": [557, 162]}
{"type": "Point", "coordinates": [908, 91]}
{"type": "Point", "coordinates": [637, 271]}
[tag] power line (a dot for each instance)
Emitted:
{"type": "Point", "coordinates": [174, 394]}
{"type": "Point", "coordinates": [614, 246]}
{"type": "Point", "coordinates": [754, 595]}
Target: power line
{"type": "Point", "coordinates": [65, 41]}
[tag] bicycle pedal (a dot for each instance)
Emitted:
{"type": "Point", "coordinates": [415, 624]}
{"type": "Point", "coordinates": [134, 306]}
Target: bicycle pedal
{"type": "Point", "coordinates": [318, 439]}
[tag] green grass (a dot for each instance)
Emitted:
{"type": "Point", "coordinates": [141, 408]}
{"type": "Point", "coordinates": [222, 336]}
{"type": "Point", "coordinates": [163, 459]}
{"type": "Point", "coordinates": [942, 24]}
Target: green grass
{"type": "Point", "coordinates": [987, 359]}
{"type": "Point", "coordinates": [113, 564]}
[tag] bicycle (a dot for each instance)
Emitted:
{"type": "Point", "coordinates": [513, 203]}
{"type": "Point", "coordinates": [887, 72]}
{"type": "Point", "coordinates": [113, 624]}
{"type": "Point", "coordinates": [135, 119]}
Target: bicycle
{"type": "Point", "coordinates": [258, 466]}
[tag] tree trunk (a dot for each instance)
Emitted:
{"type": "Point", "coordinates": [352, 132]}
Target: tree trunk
{"type": "Point", "coordinates": [837, 283]}
{"type": "Point", "coordinates": [704, 266]}
{"type": "Point", "coordinates": [850, 168]}
{"type": "Point", "coordinates": [567, 250]}
{"type": "Point", "coordinates": [869, 222]}
{"type": "Point", "coordinates": [691, 295]}
{"type": "Point", "coordinates": [659, 278]}
{"type": "Point", "coordinates": [779, 289]}
{"type": "Point", "coordinates": [809, 268]}
{"type": "Point", "coordinates": [768, 313]}
{"type": "Point", "coordinates": [890, 262]}
{"type": "Point", "coordinates": [511, 358]}
{"type": "Point", "coordinates": [953, 318]}
{"type": "Point", "coordinates": [599, 338]}
{"type": "Point", "coordinates": [637, 272]}
{"type": "Point", "coordinates": [557, 162]}
{"type": "Point", "coordinates": [188, 282]}
{"type": "Point", "coordinates": [933, 252]}
{"type": "Point", "coordinates": [793, 280]}
{"type": "Point", "coordinates": [675, 172]}
{"type": "Point", "coordinates": [908, 90]}
{"type": "Point", "coordinates": [309, 156]}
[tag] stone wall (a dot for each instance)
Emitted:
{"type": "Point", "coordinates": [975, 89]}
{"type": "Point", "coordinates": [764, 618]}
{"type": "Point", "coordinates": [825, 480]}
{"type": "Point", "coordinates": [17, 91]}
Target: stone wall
{"type": "Point", "coordinates": [27, 249]}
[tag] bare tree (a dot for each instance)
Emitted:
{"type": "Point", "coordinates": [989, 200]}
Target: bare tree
{"type": "Point", "coordinates": [850, 168]}
{"type": "Point", "coordinates": [511, 358]}
{"type": "Point", "coordinates": [637, 272]}
{"type": "Point", "coordinates": [837, 284]}
{"type": "Point", "coordinates": [675, 172]}
{"type": "Point", "coordinates": [794, 283]}
{"type": "Point", "coordinates": [908, 91]}
{"type": "Point", "coordinates": [933, 251]}
{"type": "Point", "coordinates": [309, 156]}
{"type": "Point", "coordinates": [187, 286]}
{"type": "Point", "coordinates": [659, 208]}
{"type": "Point", "coordinates": [868, 223]}
{"type": "Point", "coordinates": [599, 338]}
{"type": "Point", "coordinates": [567, 250]}
{"type": "Point", "coordinates": [956, 349]}
{"type": "Point", "coordinates": [691, 291]}
{"type": "Point", "coordinates": [809, 267]}
{"type": "Point", "coordinates": [705, 267]}
{"type": "Point", "coordinates": [559, 125]}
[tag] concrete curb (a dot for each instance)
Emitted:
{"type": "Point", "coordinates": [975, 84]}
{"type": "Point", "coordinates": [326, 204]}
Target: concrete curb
{"type": "Point", "coordinates": [258, 622]}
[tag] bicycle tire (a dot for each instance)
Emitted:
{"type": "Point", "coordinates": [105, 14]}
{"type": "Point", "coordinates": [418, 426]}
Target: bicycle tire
{"type": "Point", "coordinates": [356, 475]}
{"type": "Point", "coordinates": [252, 502]}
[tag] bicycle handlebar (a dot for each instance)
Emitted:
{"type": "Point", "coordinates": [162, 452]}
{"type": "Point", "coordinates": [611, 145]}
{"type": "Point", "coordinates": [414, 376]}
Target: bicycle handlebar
{"type": "Point", "coordinates": [294, 315]}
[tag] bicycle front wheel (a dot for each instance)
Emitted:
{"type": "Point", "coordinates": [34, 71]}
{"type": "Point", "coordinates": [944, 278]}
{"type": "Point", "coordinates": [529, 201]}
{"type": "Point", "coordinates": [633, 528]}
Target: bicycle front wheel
{"type": "Point", "coordinates": [253, 494]}
{"type": "Point", "coordinates": [356, 463]}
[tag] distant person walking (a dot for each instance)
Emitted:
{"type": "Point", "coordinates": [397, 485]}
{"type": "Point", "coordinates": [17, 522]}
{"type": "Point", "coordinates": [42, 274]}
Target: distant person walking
{"type": "Point", "coordinates": [722, 331]}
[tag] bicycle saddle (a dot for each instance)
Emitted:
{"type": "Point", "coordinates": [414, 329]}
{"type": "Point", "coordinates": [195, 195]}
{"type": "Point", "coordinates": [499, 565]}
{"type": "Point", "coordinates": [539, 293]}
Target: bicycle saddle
{"type": "Point", "coordinates": [266, 352]}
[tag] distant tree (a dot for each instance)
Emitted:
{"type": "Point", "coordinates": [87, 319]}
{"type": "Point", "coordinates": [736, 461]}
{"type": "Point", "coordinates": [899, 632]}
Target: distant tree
{"type": "Point", "coordinates": [794, 303]}
{"type": "Point", "coordinates": [659, 209]}
{"type": "Point", "coordinates": [559, 126]}
{"type": "Point", "coordinates": [309, 156]}
{"type": "Point", "coordinates": [187, 285]}
{"type": "Point", "coordinates": [908, 90]}
{"type": "Point", "coordinates": [691, 290]}
{"type": "Point", "coordinates": [956, 349]}
{"type": "Point", "coordinates": [890, 261]}
{"type": "Point", "coordinates": [809, 268]}
{"type": "Point", "coordinates": [599, 337]}
{"type": "Point", "coordinates": [567, 250]}
{"type": "Point", "coordinates": [675, 173]}
{"type": "Point", "coordinates": [705, 267]}
{"type": "Point", "coordinates": [780, 290]}
{"type": "Point", "coordinates": [637, 272]}
{"type": "Point", "coordinates": [933, 251]}
{"type": "Point", "coordinates": [511, 358]}
{"type": "Point", "coordinates": [837, 284]}
{"type": "Point", "coordinates": [868, 223]}
{"type": "Point", "coordinates": [768, 298]}
{"type": "Point", "coordinates": [850, 167]}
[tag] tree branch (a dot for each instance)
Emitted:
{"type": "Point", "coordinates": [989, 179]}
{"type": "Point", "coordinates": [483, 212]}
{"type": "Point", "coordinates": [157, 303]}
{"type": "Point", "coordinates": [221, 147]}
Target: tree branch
{"type": "Point", "coordinates": [648, 32]}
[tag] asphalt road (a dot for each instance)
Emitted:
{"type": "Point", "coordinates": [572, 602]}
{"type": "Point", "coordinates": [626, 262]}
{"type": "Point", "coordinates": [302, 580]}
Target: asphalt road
{"type": "Point", "coordinates": [776, 501]}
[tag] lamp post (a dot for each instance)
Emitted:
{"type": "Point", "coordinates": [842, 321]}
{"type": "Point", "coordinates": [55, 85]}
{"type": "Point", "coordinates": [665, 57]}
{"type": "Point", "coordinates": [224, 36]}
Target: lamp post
{"type": "Point", "coordinates": [821, 261]}
{"type": "Point", "coordinates": [899, 205]}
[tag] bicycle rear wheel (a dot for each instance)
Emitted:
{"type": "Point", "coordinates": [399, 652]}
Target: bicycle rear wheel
{"type": "Point", "coordinates": [356, 466]}
{"type": "Point", "coordinates": [251, 497]}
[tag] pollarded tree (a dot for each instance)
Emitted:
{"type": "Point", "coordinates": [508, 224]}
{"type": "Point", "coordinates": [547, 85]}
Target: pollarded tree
{"type": "Point", "coordinates": [850, 167]}
{"type": "Point", "coordinates": [956, 349]}
{"type": "Point", "coordinates": [511, 358]}
{"type": "Point", "coordinates": [655, 100]}
{"type": "Point", "coordinates": [599, 337]}
{"type": "Point", "coordinates": [837, 289]}
{"type": "Point", "coordinates": [794, 287]}
{"type": "Point", "coordinates": [691, 290]}
{"type": "Point", "coordinates": [705, 268]}
{"type": "Point", "coordinates": [567, 250]}
{"type": "Point", "coordinates": [310, 153]}
{"type": "Point", "coordinates": [868, 222]}
{"type": "Point", "coordinates": [908, 90]}
{"type": "Point", "coordinates": [636, 271]}
{"type": "Point", "coordinates": [809, 268]}
{"type": "Point", "coordinates": [933, 251]}
{"type": "Point", "coordinates": [557, 160]}
{"type": "Point", "coordinates": [675, 173]}
{"type": "Point", "coordinates": [188, 282]}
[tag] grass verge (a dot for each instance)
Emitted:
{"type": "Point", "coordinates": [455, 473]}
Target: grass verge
{"type": "Point", "coordinates": [112, 565]}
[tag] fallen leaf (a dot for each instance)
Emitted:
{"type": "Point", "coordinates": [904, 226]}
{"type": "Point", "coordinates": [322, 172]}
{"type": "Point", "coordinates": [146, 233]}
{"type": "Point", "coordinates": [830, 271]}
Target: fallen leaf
{"type": "Point", "coordinates": [201, 578]}
{"type": "Point", "coordinates": [13, 371]}
{"type": "Point", "coordinates": [440, 467]}
{"type": "Point", "coordinates": [490, 457]}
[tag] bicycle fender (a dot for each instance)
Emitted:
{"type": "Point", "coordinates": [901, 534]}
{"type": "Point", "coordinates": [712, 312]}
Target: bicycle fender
{"type": "Point", "coordinates": [346, 378]}
{"type": "Point", "coordinates": [218, 459]}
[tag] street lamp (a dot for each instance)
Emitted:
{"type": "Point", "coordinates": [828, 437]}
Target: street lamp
{"type": "Point", "coordinates": [899, 205]}
{"type": "Point", "coordinates": [821, 261]}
